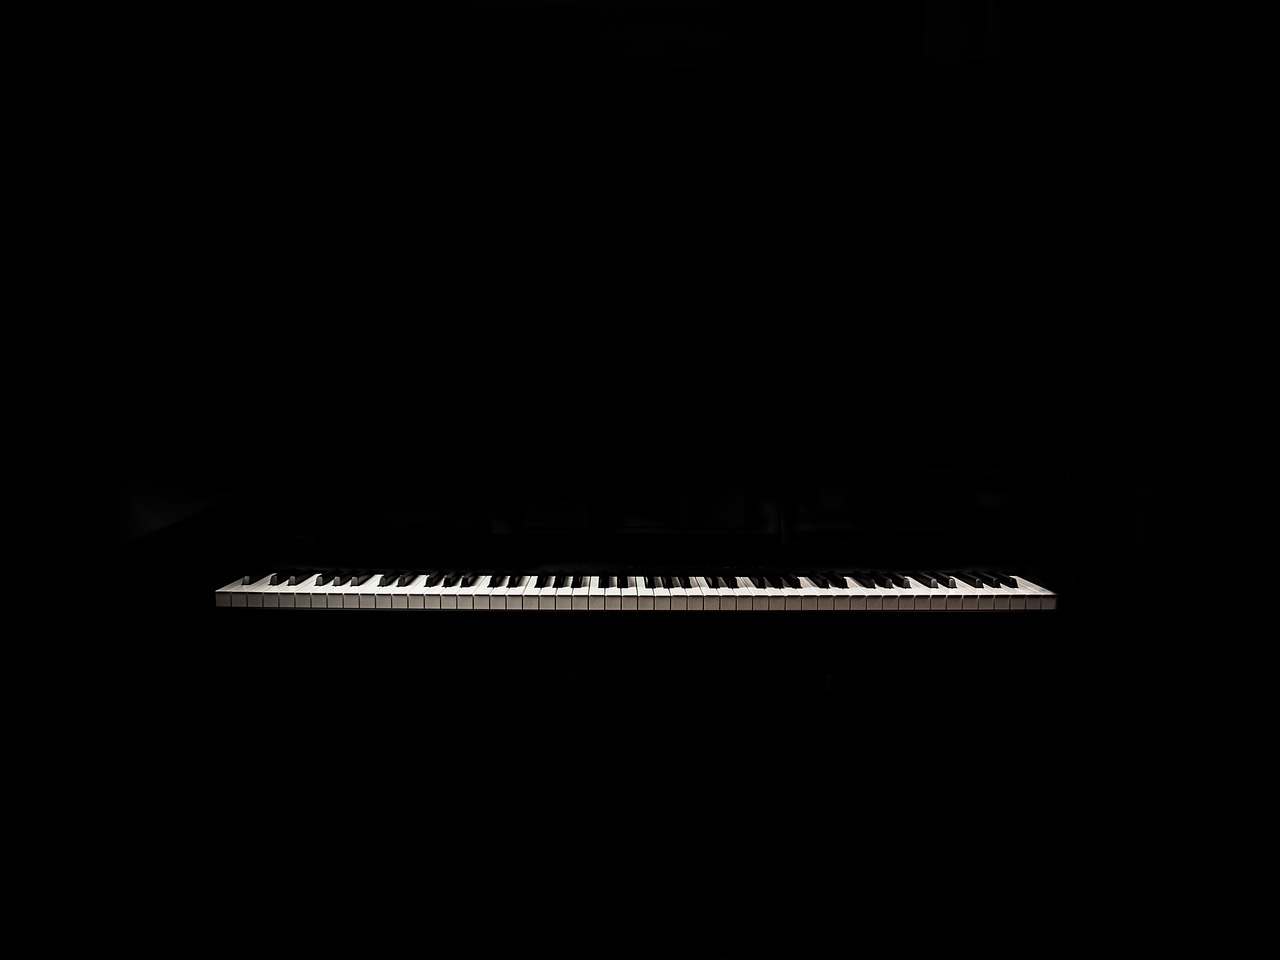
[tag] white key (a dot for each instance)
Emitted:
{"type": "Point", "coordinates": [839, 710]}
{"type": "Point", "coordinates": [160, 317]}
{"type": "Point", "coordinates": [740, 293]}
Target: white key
{"type": "Point", "coordinates": [792, 596]}
{"type": "Point", "coordinates": [430, 597]}
{"type": "Point", "coordinates": [710, 594]}
{"type": "Point", "coordinates": [564, 595]}
{"type": "Point", "coordinates": [232, 595]}
{"type": "Point", "coordinates": [500, 598]}
{"type": "Point", "coordinates": [302, 591]}
{"type": "Point", "coordinates": [810, 595]}
{"type": "Point", "coordinates": [374, 596]}
{"type": "Point", "coordinates": [501, 595]}
{"type": "Point", "coordinates": [320, 596]}
{"type": "Point", "coordinates": [253, 592]}
{"type": "Point", "coordinates": [777, 597]}
{"type": "Point", "coordinates": [630, 593]}
{"type": "Point", "coordinates": [692, 594]}
{"type": "Point", "coordinates": [661, 596]}
{"type": "Point", "coordinates": [744, 594]}
{"type": "Point", "coordinates": [1018, 597]}
{"type": "Point", "coordinates": [222, 596]}
{"type": "Point", "coordinates": [547, 595]}
{"type": "Point", "coordinates": [1048, 599]}
{"type": "Point", "coordinates": [481, 597]}
{"type": "Point", "coordinates": [399, 596]}
{"type": "Point", "coordinates": [759, 599]}
{"type": "Point", "coordinates": [968, 596]}
{"type": "Point", "coordinates": [449, 594]}
{"type": "Point", "coordinates": [882, 598]}
{"type": "Point", "coordinates": [1002, 597]}
{"type": "Point", "coordinates": [367, 593]}
{"type": "Point", "coordinates": [928, 598]}
{"type": "Point", "coordinates": [528, 599]}
{"type": "Point", "coordinates": [468, 596]}
{"type": "Point", "coordinates": [580, 597]}
{"type": "Point", "coordinates": [613, 595]}
{"type": "Point", "coordinates": [272, 596]}
{"type": "Point", "coordinates": [975, 598]}
{"type": "Point", "coordinates": [907, 596]}
{"type": "Point", "coordinates": [679, 595]}
{"type": "Point", "coordinates": [1022, 598]}
{"type": "Point", "coordinates": [595, 594]}
{"type": "Point", "coordinates": [288, 595]}
{"type": "Point", "coordinates": [644, 594]}
{"type": "Point", "coordinates": [839, 597]}
{"type": "Point", "coordinates": [823, 599]}
{"type": "Point", "coordinates": [729, 595]}
{"type": "Point", "coordinates": [874, 594]}
{"type": "Point", "coordinates": [854, 596]}
{"type": "Point", "coordinates": [346, 596]}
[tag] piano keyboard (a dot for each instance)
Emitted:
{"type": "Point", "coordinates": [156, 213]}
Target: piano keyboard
{"type": "Point", "coordinates": [445, 590]}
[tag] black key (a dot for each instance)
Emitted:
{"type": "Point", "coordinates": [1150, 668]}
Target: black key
{"type": "Point", "coordinates": [495, 580]}
{"type": "Point", "coordinates": [435, 579]}
{"type": "Point", "coordinates": [451, 580]}
{"type": "Point", "coordinates": [757, 581]}
{"type": "Point", "coordinates": [326, 578]}
{"type": "Point", "coordinates": [543, 580]}
{"type": "Point", "coordinates": [897, 580]}
{"type": "Point", "coordinates": [862, 580]}
{"type": "Point", "coordinates": [990, 579]}
{"type": "Point", "coordinates": [576, 583]}
{"type": "Point", "coordinates": [514, 581]}
{"type": "Point", "coordinates": [341, 577]}
{"type": "Point", "coordinates": [279, 578]}
{"type": "Point", "coordinates": [467, 580]}
{"type": "Point", "coordinates": [359, 579]}
{"type": "Point", "coordinates": [1006, 580]}
{"type": "Point", "coordinates": [819, 581]}
{"type": "Point", "coordinates": [791, 581]}
{"type": "Point", "coordinates": [298, 576]}
{"type": "Point", "coordinates": [966, 578]}
{"type": "Point", "coordinates": [560, 581]}
{"type": "Point", "coordinates": [925, 579]}
{"type": "Point", "coordinates": [407, 577]}
{"type": "Point", "coordinates": [836, 580]}
{"type": "Point", "coordinates": [384, 580]}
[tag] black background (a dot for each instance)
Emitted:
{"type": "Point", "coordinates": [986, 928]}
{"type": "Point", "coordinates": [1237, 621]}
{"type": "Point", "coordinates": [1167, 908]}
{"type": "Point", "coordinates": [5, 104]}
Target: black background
{"type": "Point", "coordinates": [897, 290]}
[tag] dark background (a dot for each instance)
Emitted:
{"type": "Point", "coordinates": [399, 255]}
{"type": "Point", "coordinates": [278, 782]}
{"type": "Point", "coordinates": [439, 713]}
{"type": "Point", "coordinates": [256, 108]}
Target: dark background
{"type": "Point", "coordinates": [587, 276]}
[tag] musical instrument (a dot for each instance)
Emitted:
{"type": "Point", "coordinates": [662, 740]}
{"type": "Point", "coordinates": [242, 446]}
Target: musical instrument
{"type": "Point", "coordinates": [756, 591]}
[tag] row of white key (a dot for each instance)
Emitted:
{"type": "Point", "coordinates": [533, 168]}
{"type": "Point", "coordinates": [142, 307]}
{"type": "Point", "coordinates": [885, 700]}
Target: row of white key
{"type": "Point", "coordinates": [700, 595]}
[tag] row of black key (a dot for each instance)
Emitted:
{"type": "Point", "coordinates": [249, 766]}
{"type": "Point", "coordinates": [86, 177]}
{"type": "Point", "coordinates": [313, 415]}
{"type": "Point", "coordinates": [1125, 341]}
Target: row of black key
{"type": "Point", "coordinates": [761, 580]}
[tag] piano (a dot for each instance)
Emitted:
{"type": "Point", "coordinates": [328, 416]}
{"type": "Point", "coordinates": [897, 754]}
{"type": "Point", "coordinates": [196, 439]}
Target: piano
{"type": "Point", "coordinates": [563, 591]}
